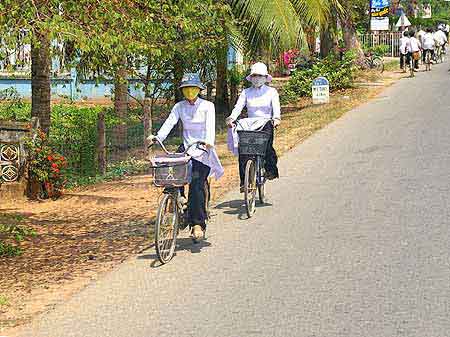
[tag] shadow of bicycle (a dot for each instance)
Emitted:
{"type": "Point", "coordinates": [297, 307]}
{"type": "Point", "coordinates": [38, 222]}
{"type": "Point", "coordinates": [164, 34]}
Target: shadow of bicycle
{"type": "Point", "coordinates": [237, 207]}
{"type": "Point", "coordinates": [183, 244]}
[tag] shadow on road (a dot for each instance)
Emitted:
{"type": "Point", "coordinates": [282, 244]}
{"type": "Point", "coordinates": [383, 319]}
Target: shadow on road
{"type": "Point", "coordinates": [183, 244]}
{"type": "Point", "coordinates": [237, 207]}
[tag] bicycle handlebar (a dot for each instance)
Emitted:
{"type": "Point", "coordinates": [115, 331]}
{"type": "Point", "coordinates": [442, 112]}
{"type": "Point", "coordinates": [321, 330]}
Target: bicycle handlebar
{"type": "Point", "coordinates": [197, 143]}
{"type": "Point", "coordinates": [271, 120]}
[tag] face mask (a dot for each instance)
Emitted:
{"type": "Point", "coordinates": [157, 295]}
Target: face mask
{"type": "Point", "coordinates": [190, 93]}
{"type": "Point", "coordinates": [258, 81]}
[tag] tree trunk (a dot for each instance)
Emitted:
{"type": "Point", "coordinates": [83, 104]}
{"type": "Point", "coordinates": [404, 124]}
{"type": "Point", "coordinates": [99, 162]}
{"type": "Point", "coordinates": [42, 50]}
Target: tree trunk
{"type": "Point", "coordinates": [209, 91]}
{"type": "Point", "coordinates": [121, 110]}
{"type": "Point", "coordinates": [234, 92]}
{"type": "Point", "coordinates": [177, 77]}
{"type": "Point", "coordinates": [311, 39]}
{"type": "Point", "coordinates": [101, 143]}
{"type": "Point", "coordinates": [326, 42]}
{"type": "Point", "coordinates": [147, 108]}
{"type": "Point", "coordinates": [147, 120]}
{"type": "Point", "coordinates": [351, 40]}
{"type": "Point", "coordinates": [222, 98]}
{"type": "Point", "coordinates": [40, 80]}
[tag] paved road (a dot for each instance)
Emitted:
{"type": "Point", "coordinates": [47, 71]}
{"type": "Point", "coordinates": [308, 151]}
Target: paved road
{"type": "Point", "coordinates": [357, 245]}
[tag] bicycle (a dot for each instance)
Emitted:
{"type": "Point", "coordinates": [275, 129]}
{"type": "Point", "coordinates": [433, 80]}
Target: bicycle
{"type": "Point", "coordinates": [410, 64]}
{"type": "Point", "coordinates": [427, 60]}
{"type": "Point", "coordinates": [372, 61]}
{"type": "Point", "coordinates": [254, 145]}
{"type": "Point", "coordinates": [439, 54]}
{"type": "Point", "coordinates": [172, 171]}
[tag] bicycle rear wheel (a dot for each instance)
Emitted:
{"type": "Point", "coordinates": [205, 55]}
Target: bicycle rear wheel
{"type": "Point", "coordinates": [378, 64]}
{"type": "Point", "coordinates": [250, 187]}
{"type": "Point", "coordinates": [261, 183]}
{"type": "Point", "coordinates": [207, 199]}
{"type": "Point", "coordinates": [166, 228]}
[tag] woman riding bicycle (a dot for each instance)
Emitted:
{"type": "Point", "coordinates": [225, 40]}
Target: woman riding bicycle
{"type": "Point", "coordinates": [198, 120]}
{"type": "Point", "coordinates": [262, 102]}
{"type": "Point", "coordinates": [428, 45]}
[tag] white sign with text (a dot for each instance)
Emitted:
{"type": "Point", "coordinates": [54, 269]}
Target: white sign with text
{"type": "Point", "coordinates": [321, 91]}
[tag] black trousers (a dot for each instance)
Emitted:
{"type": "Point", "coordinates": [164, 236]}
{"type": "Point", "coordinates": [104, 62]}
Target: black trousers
{"type": "Point", "coordinates": [424, 53]}
{"type": "Point", "coordinates": [196, 210]}
{"type": "Point", "coordinates": [271, 158]}
{"type": "Point", "coordinates": [403, 59]}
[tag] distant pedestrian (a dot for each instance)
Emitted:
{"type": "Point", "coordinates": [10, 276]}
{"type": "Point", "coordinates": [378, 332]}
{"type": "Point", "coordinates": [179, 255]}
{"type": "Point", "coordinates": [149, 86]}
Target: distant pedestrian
{"type": "Point", "coordinates": [428, 44]}
{"type": "Point", "coordinates": [415, 49]}
{"type": "Point", "coordinates": [405, 48]}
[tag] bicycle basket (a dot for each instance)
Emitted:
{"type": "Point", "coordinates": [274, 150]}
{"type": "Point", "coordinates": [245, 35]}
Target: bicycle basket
{"type": "Point", "coordinates": [173, 170]}
{"type": "Point", "coordinates": [253, 142]}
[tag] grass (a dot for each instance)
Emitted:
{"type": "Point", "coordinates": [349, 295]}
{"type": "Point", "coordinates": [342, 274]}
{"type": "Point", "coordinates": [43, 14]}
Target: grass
{"type": "Point", "coordinates": [12, 232]}
{"type": "Point", "coordinates": [3, 301]}
{"type": "Point", "coordinates": [391, 65]}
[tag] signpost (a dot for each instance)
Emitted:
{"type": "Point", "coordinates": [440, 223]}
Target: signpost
{"type": "Point", "coordinates": [379, 14]}
{"type": "Point", "coordinates": [321, 91]}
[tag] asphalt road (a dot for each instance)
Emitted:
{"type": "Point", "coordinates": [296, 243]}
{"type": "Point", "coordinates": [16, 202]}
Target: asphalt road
{"type": "Point", "coordinates": [355, 244]}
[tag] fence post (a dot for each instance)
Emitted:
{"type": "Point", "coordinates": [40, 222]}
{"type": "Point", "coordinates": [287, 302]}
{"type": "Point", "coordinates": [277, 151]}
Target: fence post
{"type": "Point", "coordinates": [101, 142]}
{"type": "Point", "coordinates": [147, 120]}
{"type": "Point", "coordinates": [392, 44]}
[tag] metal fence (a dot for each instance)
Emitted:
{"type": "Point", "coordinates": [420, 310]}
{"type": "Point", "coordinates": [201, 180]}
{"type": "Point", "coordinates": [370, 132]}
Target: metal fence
{"type": "Point", "coordinates": [389, 39]}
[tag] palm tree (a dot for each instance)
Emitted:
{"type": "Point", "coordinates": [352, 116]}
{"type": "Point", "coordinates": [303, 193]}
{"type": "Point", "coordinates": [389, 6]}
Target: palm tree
{"type": "Point", "coordinates": [265, 28]}
{"type": "Point", "coordinates": [279, 24]}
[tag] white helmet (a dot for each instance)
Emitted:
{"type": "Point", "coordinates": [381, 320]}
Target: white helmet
{"type": "Point", "coordinates": [259, 68]}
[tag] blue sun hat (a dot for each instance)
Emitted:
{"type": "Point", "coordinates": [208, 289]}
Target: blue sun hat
{"type": "Point", "coordinates": [191, 80]}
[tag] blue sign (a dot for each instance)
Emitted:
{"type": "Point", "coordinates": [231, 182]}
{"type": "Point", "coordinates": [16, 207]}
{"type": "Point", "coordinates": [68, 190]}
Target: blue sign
{"type": "Point", "coordinates": [319, 81]}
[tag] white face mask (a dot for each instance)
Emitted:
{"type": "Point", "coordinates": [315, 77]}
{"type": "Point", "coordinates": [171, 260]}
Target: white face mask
{"type": "Point", "coordinates": [258, 81]}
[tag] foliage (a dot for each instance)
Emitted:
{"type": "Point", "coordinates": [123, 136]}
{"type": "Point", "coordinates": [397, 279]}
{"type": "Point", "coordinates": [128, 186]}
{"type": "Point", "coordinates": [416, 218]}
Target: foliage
{"type": "Point", "coordinates": [11, 105]}
{"type": "Point", "coordinates": [339, 73]}
{"type": "Point", "coordinates": [237, 74]}
{"type": "Point", "coordinates": [3, 300]}
{"type": "Point", "coordinates": [379, 50]}
{"type": "Point", "coordinates": [276, 25]}
{"type": "Point", "coordinates": [12, 232]}
{"type": "Point", "coordinates": [45, 165]}
{"type": "Point", "coordinates": [115, 171]}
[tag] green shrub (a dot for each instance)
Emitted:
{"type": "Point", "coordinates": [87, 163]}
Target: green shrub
{"type": "Point", "coordinates": [379, 50]}
{"type": "Point", "coordinates": [339, 73]}
{"type": "Point", "coordinates": [12, 232]}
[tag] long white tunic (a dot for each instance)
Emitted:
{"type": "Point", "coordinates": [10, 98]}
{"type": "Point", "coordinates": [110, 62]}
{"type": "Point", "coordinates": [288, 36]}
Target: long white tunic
{"type": "Point", "coordinates": [415, 45]}
{"type": "Point", "coordinates": [199, 124]}
{"type": "Point", "coordinates": [428, 41]}
{"type": "Point", "coordinates": [263, 102]}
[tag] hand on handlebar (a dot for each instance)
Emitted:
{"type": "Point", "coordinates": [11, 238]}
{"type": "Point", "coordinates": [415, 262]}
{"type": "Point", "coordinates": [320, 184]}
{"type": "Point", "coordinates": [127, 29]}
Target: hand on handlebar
{"type": "Point", "coordinates": [152, 138]}
{"type": "Point", "coordinates": [230, 122]}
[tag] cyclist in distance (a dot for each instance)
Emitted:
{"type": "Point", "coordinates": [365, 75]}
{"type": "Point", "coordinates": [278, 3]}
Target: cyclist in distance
{"type": "Point", "coordinates": [441, 38]}
{"type": "Point", "coordinates": [263, 103]}
{"type": "Point", "coordinates": [198, 121]}
{"type": "Point", "coordinates": [428, 44]}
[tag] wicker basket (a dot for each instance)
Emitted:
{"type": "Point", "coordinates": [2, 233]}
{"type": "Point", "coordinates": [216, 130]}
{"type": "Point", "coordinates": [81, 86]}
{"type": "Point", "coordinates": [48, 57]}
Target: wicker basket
{"type": "Point", "coordinates": [253, 143]}
{"type": "Point", "coordinates": [172, 170]}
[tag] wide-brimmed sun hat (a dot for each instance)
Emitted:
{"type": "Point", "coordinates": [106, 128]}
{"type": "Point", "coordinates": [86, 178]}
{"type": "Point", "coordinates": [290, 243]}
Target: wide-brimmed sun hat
{"type": "Point", "coordinates": [191, 80]}
{"type": "Point", "coordinates": [259, 68]}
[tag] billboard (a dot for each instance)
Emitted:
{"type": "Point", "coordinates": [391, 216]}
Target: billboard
{"type": "Point", "coordinates": [379, 14]}
{"type": "Point", "coordinates": [426, 11]}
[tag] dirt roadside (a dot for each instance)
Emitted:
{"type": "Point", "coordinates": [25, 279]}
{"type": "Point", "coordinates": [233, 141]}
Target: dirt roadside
{"type": "Point", "coordinates": [91, 230]}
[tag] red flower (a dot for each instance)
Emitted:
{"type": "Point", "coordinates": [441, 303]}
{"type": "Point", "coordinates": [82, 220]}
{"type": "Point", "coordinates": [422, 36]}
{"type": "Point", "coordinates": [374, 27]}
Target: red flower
{"type": "Point", "coordinates": [55, 166]}
{"type": "Point", "coordinates": [50, 158]}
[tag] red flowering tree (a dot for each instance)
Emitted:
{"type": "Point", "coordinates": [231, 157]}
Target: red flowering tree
{"type": "Point", "coordinates": [45, 166]}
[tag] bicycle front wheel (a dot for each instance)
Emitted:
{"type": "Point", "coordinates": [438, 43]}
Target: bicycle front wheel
{"type": "Point", "coordinates": [166, 228]}
{"type": "Point", "coordinates": [250, 187]}
{"type": "Point", "coordinates": [261, 183]}
{"type": "Point", "coordinates": [378, 64]}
